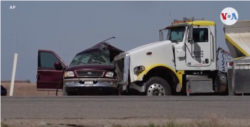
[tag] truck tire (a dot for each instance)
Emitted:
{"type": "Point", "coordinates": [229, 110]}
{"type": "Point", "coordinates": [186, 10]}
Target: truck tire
{"type": "Point", "coordinates": [157, 86]}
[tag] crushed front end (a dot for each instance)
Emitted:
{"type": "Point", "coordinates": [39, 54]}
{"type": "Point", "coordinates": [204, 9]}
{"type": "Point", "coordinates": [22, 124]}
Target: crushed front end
{"type": "Point", "coordinates": [92, 72]}
{"type": "Point", "coordinates": [91, 82]}
{"type": "Point", "coordinates": [122, 66]}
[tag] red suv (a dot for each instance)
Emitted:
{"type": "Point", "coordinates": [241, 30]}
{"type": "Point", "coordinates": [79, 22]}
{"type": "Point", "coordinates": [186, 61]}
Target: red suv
{"type": "Point", "coordinates": [90, 72]}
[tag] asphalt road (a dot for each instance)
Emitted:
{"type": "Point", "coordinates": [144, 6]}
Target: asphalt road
{"type": "Point", "coordinates": [124, 107]}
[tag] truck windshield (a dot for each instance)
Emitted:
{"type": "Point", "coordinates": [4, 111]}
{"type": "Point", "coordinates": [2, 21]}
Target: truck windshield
{"type": "Point", "coordinates": [94, 57]}
{"type": "Point", "coordinates": [176, 34]}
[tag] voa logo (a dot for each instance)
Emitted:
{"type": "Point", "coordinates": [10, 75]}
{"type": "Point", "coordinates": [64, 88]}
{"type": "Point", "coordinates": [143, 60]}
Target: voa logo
{"type": "Point", "coordinates": [229, 16]}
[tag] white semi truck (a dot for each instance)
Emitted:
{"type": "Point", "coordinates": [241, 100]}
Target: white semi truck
{"type": "Point", "coordinates": [185, 61]}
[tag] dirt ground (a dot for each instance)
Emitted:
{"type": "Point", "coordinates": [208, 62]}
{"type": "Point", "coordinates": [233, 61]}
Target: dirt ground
{"type": "Point", "coordinates": [210, 122]}
{"type": "Point", "coordinates": [28, 89]}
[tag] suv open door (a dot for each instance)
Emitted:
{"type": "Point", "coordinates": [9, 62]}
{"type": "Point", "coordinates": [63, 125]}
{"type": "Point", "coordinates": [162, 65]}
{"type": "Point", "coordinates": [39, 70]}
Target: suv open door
{"type": "Point", "coordinates": [50, 70]}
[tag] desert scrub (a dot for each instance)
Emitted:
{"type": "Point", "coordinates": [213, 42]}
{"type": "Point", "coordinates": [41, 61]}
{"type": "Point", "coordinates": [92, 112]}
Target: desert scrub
{"type": "Point", "coordinates": [194, 123]}
{"type": "Point", "coordinates": [4, 125]}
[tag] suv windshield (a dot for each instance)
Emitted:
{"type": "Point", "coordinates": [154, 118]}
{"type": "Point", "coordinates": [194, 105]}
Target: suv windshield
{"type": "Point", "coordinates": [94, 57]}
{"type": "Point", "coordinates": [176, 34]}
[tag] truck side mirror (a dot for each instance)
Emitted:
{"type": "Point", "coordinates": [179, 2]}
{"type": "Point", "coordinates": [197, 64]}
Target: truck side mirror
{"type": "Point", "coordinates": [190, 33]}
{"type": "Point", "coordinates": [58, 66]}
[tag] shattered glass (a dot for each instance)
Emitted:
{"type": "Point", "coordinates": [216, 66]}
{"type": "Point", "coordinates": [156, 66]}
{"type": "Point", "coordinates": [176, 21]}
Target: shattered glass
{"type": "Point", "coordinates": [98, 56]}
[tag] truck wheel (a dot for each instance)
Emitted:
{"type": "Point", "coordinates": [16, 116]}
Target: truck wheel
{"type": "Point", "coordinates": [157, 86]}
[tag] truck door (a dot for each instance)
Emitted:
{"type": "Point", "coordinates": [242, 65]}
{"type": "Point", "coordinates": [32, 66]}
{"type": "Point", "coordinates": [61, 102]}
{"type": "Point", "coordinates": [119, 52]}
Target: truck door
{"type": "Point", "coordinates": [198, 53]}
{"type": "Point", "coordinates": [49, 70]}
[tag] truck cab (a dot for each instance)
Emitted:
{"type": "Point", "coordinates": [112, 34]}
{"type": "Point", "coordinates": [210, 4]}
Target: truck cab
{"type": "Point", "coordinates": [193, 51]}
{"type": "Point", "coordinates": [186, 54]}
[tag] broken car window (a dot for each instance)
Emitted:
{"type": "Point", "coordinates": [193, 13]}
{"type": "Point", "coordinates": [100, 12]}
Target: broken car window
{"type": "Point", "coordinates": [93, 57]}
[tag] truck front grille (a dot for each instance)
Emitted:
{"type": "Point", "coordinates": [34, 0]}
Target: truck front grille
{"type": "Point", "coordinates": [89, 73]}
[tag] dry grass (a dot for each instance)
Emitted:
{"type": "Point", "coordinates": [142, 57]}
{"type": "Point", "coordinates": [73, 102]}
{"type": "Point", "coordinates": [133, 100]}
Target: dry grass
{"type": "Point", "coordinates": [4, 125]}
{"type": "Point", "coordinates": [209, 122]}
{"type": "Point", "coordinates": [196, 123]}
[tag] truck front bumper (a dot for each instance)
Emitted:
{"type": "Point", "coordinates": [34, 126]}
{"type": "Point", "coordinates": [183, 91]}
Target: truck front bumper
{"type": "Point", "coordinates": [76, 85]}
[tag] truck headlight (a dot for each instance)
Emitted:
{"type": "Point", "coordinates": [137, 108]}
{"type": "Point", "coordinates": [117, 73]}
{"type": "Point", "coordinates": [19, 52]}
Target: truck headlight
{"type": "Point", "coordinates": [139, 69]}
{"type": "Point", "coordinates": [69, 74]}
{"type": "Point", "coordinates": [109, 74]}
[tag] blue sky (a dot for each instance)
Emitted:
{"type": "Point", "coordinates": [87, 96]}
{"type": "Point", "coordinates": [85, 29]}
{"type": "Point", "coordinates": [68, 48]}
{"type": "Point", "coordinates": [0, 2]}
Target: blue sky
{"type": "Point", "coordinates": [70, 27]}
